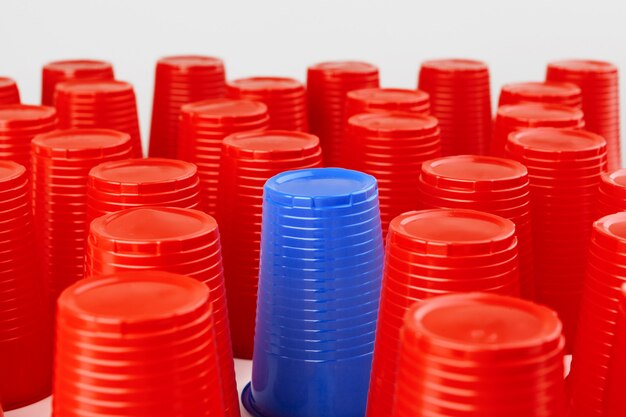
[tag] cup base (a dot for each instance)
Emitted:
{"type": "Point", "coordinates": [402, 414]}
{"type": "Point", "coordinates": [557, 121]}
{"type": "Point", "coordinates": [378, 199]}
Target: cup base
{"type": "Point", "coordinates": [248, 402]}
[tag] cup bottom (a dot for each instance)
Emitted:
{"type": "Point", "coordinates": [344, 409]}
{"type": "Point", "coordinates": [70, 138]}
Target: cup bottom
{"type": "Point", "coordinates": [248, 402]}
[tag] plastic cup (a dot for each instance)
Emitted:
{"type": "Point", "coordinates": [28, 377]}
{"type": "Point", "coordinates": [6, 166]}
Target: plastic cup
{"type": "Point", "coordinates": [377, 100]}
{"type": "Point", "coordinates": [9, 93]}
{"type": "Point", "coordinates": [313, 293]}
{"type": "Point", "coordinates": [549, 92]}
{"type": "Point", "coordinates": [137, 343]}
{"type": "Point", "coordinates": [60, 71]}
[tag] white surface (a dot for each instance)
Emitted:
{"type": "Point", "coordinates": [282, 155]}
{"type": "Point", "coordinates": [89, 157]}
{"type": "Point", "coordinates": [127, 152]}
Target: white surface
{"type": "Point", "coordinates": [282, 37]}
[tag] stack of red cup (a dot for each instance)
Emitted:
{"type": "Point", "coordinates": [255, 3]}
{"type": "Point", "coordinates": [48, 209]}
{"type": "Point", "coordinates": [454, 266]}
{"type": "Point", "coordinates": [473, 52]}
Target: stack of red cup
{"type": "Point", "coordinates": [117, 185]}
{"type": "Point", "coordinates": [460, 99]}
{"type": "Point", "coordinates": [495, 185]}
{"type": "Point", "coordinates": [180, 80]}
{"type": "Point", "coordinates": [99, 104]}
{"type": "Point", "coordinates": [514, 117]}
{"type": "Point", "coordinates": [378, 100]}
{"type": "Point", "coordinates": [19, 124]}
{"type": "Point", "coordinates": [203, 127]}
{"type": "Point", "coordinates": [485, 355]}
{"type": "Point", "coordinates": [248, 161]}
{"type": "Point", "coordinates": [25, 348]}
{"type": "Point", "coordinates": [176, 240]}
{"type": "Point", "coordinates": [599, 316]}
{"type": "Point", "coordinates": [615, 404]}
{"type": "Point", "coordinates": [285, 99]}
{"type": "Point", "coordinates": [9, 93]}
{"type": "Point", "coordinates": [392, 147]}
{"type": "Point", "coordinates": [548, 92]}
{"type": "Point", "coordinates": [430, 253]}
{"type": "Point", "coordinates": [327, 86]}
{"type": "Point", "coordinates": [599, 82]}
{"type": "Point", "coordinates": [61, 161]}
{"type": "Point", "coordinates": [57, 72]}
{"type": "Point", "coordinates": [612, 193]}
{"type": "Point", "coordinates": [564, 168]}
{"type": "Point", "coordinates": [136, 344]}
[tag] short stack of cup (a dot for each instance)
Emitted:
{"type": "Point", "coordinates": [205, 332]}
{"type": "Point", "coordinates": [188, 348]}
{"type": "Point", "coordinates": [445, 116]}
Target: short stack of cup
{"type": "Point", "coordinates": [99, 104]}
{"type": "Point", "coordinates": [468, 355]}
{"type": "Point", "coordinates": [9, 93]}
{"type": "Point", "coordinates": [180, 80]}
{"type": "Point", "coordinates": [430, 253]}
{"type": "Point", "coordinates": [564, 168]}
{"type": "Point", "coordinates": [25, 344]}
{"type": "Point", "coordinates": [377, 100]}
{"type": "Point", "coordinates": [548, 92]}
{"type": "Point", "coordinates": [460, 98]}
{"type": "Point", "coordinates": [511, 118]}
{"type": "Point", "coordinates": [285, 99]}
{"type": "Point", "coordinates": [612, 193]}
{"type": "Point", "coordinates": [203, 127]}
{"type": "Point", "coordinates": [495, 185]}
{"type": "Point", "coordinates": [249, 159]}
{"type": "Point", "coordinates": [327, 86]}
{"type": "Point", "coordinates": [117, 185]}
{"type": "Point", "coordinates": [319, 284]}
{"type": "Point", "coordinates": [176, 240]}
{"type": "Point", "coordinates": [57, 72]}
{"type": "Point", "coordinates": [19, 124]}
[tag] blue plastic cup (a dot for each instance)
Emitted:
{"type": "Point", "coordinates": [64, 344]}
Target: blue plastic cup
{"type": "Point", "coordinates": [319, 287]}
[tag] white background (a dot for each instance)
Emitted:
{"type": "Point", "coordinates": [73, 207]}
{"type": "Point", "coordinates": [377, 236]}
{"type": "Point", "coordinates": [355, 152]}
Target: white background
{"type": "Point", "coordinates": [282, 37]}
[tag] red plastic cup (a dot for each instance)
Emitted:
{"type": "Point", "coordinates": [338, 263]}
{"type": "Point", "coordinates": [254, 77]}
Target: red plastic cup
{"type": "Point", "coordinates": [460, 99]}
{"type": "Point", "coordinates": [285, 99]}
{"type": "Point", "coordinates": [612, 193]}
{"type": "Point", "coordinates": [61, 161]}
{"type": "Point", "coordinates": [392, 147]}
{"type": "Point", "coordinates": [9, 93]}
{"type": "Point", "coordinates": [19, 124]}
{"type": "Point", "coordinates": [181, 80]}
{"type": "Point", "coordinates": [599, 83]}
{"type": "Point", "coordinates": [547, 92]}
{"type": "Point", "coordinates": [99, 104]}
{"type": "Point", "coordinates": [615, 404]}
{"type": "Point", "coordinates": [327, 86]}
{"type": "Point", "coordinates": [176, 240]}
{"type": "Point", "coordinates": [136, 344]}
{"type": "Point", "coordinates": [203, 127]}
{"type": "Point", "coordinates": [56, 72]}
{"type": "Point", "coordinates": [25, 344]}
{"type": "Point", "coordinates": [599, 317]}
{"type": "Point", "coordinates": [480, 354]}
{"type": "Point", "coordinates": [378, 100]}
{"type": "Point", "coordinates": [511, 118]}
{"type": "Point", "coordinates": [431, 253]}
{"type": "Point", "coordinates": [563, 200]}
{"type": "Point", "coordinates": [248, 160]}
{"type": "Point", "coordinates": [495, 185]}
{"type": "Point", "coordinates": [117, 185]}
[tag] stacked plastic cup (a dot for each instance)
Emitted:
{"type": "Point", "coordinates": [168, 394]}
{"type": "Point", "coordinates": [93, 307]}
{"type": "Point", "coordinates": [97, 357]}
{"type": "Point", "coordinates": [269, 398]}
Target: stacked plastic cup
{"type": "Point", "coordinates": [392, 147]}
{"type": "Point", "coordinates": [460, 99]}
{"type": "Point", "coordinates": [548, 92]}
{"type": "Point", "coordinates": [378, 100]}
{"type": "Point", "coordinates": [19, 124]}
{"type": "Point", "coordinates": [9, 93]}
{"type": "Point", "coordinates": [495, 185]}
{"type": "Point", "coordinates": [285, 99]}
{"type": "Point", "coordinates": [599, 82]}
{"type": "Point", "coordinates": [180, 80]}
{"type": "Point", "coordinates": [248, 160]}
{"type": "Point", "coordinates": [511, 118]}
{"type": "Point", "coordinates": [99, 104]}
{"type": "Point", "coordinates": [25, 345]}
{"type": "Point", "coordinates": [564, 168]}
{"type": "Point", "coordinates": [203, 127]}
{"type": "Point", "coordinates": [482, 355]}
{"type": "Point", "coordinates": [117, 185]}
{"type": "Point", "coordinates": [612, 193]}
{"type": "Point", "coordinates": [61, 161]}
{"type": "Point", "coordinates": [430, 253]}
{"type": "Point", "coordinates": [57, 72]}
{"type": "Point", "coordinates": [599, 316]}
{"type": "Point", "coordinates": [327, 86]}
{"type": "Point", "coordinates": [319, 284]}
{"type": "Point", "coordinates": [136, 344]}
{"type": "Point", "coordinates": [615, 403]}
{"type": "Point", "coordinates": [176, 240]}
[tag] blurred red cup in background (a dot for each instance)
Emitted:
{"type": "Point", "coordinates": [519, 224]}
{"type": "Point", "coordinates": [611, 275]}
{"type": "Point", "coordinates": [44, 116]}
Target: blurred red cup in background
{"type": "Point", "coordinates": [57, 72]}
